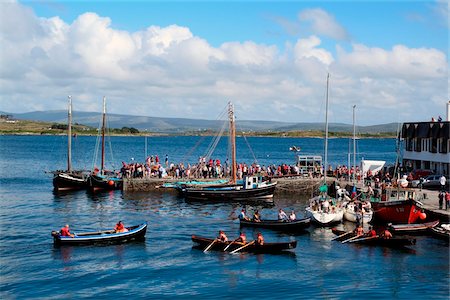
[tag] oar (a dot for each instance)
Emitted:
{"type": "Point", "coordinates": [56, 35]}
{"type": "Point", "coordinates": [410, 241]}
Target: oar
{"type": "Point", "coordinates": [339, 236]}
{"type": "Point", "coordinates": [228, 246]}
{"type": "Point", "coordinates": [240, 248]}
{"type": "Point", "coordinates": [210, 245]}
{"type": "Point", "coordinates": [350, 239]}
{"type": "Point", "coordinates": [366, 238]}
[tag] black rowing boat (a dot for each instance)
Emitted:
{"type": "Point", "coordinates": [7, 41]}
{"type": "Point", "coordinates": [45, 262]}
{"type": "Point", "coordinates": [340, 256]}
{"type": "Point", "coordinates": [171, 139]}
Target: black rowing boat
{"type": "Point", "coordinates": [102, 237]}
{"type": "Point", "coordinates": [287, 226]}
{"type": "Point", "coordinates": [203, 243]}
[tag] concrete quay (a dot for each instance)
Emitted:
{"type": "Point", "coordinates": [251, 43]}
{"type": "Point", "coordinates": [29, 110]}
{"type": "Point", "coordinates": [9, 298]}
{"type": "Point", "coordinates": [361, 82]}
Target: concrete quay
{"type": "Point", "coordinates": [296, 186]}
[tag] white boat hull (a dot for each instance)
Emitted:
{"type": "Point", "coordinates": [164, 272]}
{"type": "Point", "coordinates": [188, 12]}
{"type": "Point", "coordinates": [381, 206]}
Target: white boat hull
{"type": "Point", "coordinates": [350, 215]}
{"type": "Point", "coordinates": [323, 218]}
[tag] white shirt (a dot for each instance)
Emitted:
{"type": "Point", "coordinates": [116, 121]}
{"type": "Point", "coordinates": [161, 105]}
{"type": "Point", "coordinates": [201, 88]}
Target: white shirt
{"type": "Point", "coordinates": [442, 180]}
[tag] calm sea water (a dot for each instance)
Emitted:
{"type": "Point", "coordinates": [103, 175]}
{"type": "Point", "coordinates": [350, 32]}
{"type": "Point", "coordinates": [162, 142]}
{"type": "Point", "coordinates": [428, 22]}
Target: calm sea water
{"type": "Point", "coordinates": [165, 265]}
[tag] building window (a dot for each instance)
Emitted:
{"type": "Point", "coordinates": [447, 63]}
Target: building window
{"type": "Point", "coordinates": [409, 145]}
{"type": "Point", "coordinates": [443, 145]}
{"type": "Point", "coordinates": [434, 144]}
{"type": "Point", "coordinates": [418, 145]}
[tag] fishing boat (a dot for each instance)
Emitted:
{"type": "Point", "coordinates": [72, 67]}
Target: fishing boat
{"type": "Point", "coordinates": [329, 215]}
{"type": "Point", "coordinates": [69, 179]}
{"type": "Point", "coordinates": [413, 228]}
{"type": "Point", "coordinates": [203, 243]}
{"type": "Point", "coordinates": [398, 206]}
{"type": "Point", "coordinates": [350, 213]}
{"type": "Point", "coordinates": [252, 188]}
{"type": "Point", "coordinates": [136, 232]}
{"type": "Point", "coordinates": [103, 179]}
{"type": "Point", "coordinates": [286, 226]}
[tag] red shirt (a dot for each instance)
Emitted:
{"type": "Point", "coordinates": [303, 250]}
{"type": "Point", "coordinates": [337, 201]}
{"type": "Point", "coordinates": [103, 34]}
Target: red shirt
{"type": "Point", "coordinates": [119, 227]}
{"type": "Point", "coordinates": [65, 231]}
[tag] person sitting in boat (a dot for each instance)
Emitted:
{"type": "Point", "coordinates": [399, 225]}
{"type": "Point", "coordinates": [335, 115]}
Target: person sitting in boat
{"type": "Point", "coordinates": [325, 206]}
{"type": "Point", "coordinates": [256, 216]}
{"type": "Point", "coordinates": [242, 238]}
{"type": "Point", "coordinates": [292, 216]}
{"type": "Point", "coordinates": [243, 216]}
{"type": "Point", "coordinates": [65, 231]}
{"type": "Point", "coordinates": [222, 237]}
{"type": "Point", "coordinates": [371, 232]}
{"type": "Point", "coordinates": [359, 230]}
{"type": "Point", "coordinates": [120, 227]}
{"type": "Point", "coordinates": [259, 239]}
{"type": "Point", "coordinates": [282, 216]}
{"type": "Point", "coordinates": [386, 234]}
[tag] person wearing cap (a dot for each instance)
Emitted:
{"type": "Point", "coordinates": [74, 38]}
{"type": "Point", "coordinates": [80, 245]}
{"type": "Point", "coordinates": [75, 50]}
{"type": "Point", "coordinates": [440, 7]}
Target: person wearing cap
{"type": "Point", "coordinates": [65, 231]}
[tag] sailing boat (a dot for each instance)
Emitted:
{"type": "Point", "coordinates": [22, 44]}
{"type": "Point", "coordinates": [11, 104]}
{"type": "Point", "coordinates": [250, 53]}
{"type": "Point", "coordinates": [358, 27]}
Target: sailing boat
{"type": "Point", "coordinates": [103, 179]}
{"type": "Point", "coordinates": [252, 188]}
{"type": "Point", "coordinates": [354, 210]}
{"type": "Point", "coordinates": [321, 211]}
{"type": "Point", "coordinates": [69, 179]}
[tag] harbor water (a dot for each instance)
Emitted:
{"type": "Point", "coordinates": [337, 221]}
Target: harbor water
{"type": "Point", "coordinates": [165, 266]}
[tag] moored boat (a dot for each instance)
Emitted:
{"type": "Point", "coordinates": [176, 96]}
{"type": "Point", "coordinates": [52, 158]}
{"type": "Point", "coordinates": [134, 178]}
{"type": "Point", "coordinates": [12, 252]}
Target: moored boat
{"type": "Point", "coordinates": [380, 241]}
{"type": "Point", "coordinates": [203, 243]}
{"type": "Point", "coordinates": [351, 215]}
{"type": "Point", "coordinates": [323, 218]}
{"type": "Point", "coordinates": [441, 232]}
{"type": "Point", "coordinates": [136, 232]}
{"type": "Point", "coordinates": [287, 226]}
{"type": "Point", "coordinates": [413, 228]}
{"type": "Point", "coordinates": [69, 179]}
{"type": "Point", "coordinates": [102, 179]}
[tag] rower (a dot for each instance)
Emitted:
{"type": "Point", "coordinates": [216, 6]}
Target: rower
{"type": "Point", "coordinates": [243, 216]}
{"type": "Point", "coordinates": [386, 234]}
{"type": "Point", "coordinates": [256, 216]}
{"type": "Point", "coordinates": [120, 228]}
{"type": "Point", "coordinates": [259, 239]}
{"type": "Point", "coordinates": [242, 238]}
{"type": "Point", "coordinates": [282, 216]}
{"type": "Point", "coordinates": [359, 230]}
{"type": "Point", "coordinates": [222, 236]}
{"type": "Point", "coordinates": [371, 232]}
{"type": "Point", "coordinates": [292, 216]}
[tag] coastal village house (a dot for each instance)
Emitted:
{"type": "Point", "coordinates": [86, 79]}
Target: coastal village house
{"type": "Point", "coordinates": [427, 145]}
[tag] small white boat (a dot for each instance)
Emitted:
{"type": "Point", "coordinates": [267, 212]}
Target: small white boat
{"type": "Point", "coordinates": [350, 214]}
{"type": "Point", "coordinates": [324, 215]}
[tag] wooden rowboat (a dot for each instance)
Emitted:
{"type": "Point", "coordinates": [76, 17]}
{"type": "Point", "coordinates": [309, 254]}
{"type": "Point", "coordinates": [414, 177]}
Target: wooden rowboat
{"type": "Point", "coordinates": [440, 232]}
{"type": "Point", "coordinates": [413, 228]}
{"type": "Point", "coordinates": [203, 243]}
{"type": "Point", "coordinates": [102, 237]}
{"type": "Point", "coordinates": [380, 241]}
{"type": "Point", "coordinates": [287, 226]}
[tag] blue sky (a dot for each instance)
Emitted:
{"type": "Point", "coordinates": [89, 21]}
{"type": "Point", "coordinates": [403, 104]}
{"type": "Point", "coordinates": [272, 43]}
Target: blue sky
{"type": "Point", "coordinates": [386, 56]}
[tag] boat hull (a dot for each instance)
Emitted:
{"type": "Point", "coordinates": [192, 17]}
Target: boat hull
{"type": "Point", "coordinates": [102, 237]}
{"type": "Point", "coordinates": [350, 215]}
{"type": "Point", "coordinates": [419, 228]}
{"type": "Point", "coordinates": [97, 182]}
{"type": "Point", "coordinates": [202, 243]}
{"type": "Point", "coordinates": [397, 211]}
{"type": "Point", "coordinates": [379, 241]}
{"type": "Point", "coordinates": [286, 226]}
{"type": "Point", "coordinates": [440, 233]}
{"type": "Point", "coordinates": [230, 193]}
{"type": "Point", "coordinates": [325, 219]}
{"type": "Point", "coordinates": [63, 181]}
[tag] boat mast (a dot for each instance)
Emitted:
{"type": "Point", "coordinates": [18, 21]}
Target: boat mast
{"type": "Point", "coordinates": [326, 134]}
{"type": "Point", "coordinates": [103, 134]}
{"type": "Point", "coordinates": [69, 136]}
{"type": "Point", "coordinates": [354, 146]}
{"type": "Point", "coordinates": [233, 142]}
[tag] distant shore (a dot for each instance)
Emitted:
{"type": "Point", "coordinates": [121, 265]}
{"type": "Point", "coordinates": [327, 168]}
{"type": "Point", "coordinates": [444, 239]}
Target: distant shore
{"type": "Point", "coordinates": [43, 128]}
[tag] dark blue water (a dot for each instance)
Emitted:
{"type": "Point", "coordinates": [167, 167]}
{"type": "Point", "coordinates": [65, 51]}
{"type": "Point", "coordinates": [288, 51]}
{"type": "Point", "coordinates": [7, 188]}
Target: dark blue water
{"type": "Point", "coordinates": [165, 265]}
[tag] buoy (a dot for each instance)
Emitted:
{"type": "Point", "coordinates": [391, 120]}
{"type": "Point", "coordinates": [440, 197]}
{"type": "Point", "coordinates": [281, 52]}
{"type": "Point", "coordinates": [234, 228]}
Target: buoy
{"type": "Point", "coordinates": [423, 216]}
{"type": "Point", "coordinates": [111, 183]}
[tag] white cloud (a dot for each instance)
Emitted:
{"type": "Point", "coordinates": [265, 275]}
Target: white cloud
{"type": "Point", "coordinates": [322, 23]}
{"type": "Point", "coordinates": [168, 71]}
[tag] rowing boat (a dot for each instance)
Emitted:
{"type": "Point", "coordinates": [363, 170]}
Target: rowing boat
{"type": "Point", "coordinates": [413, 228]}
{"type": "Point", "coordinates": [288, 226]}
{"type": "Point", "coordinates": [203, 243]}
{"type": "Point", "coordinates": [102, 237]}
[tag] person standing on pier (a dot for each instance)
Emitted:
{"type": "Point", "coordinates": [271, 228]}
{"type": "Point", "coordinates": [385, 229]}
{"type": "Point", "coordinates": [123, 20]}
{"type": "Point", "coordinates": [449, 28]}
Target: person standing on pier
{"type": "Point", "coordinates": [441, 199]}
{"type": "Point", "coordinates": [442, 181]}
{"type": "Point", "coordinates": [447, 200]}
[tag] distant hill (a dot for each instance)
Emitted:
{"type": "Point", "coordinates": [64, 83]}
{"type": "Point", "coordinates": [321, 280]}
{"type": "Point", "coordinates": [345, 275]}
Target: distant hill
{"type": "Point", "coordinates": [178, 125]}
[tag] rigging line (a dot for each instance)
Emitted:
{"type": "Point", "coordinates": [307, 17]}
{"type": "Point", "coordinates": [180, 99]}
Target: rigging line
{"type": "Point", "coordinates": [248, 145]}
{"type": "Point", "coordinates": [110, 144]}
{"type": "Point", "coordinates": [209, 154]}
{"type": "Point", "coordinates": [217, 136]}
{"type": "Point", "coordinates": [97, 146]}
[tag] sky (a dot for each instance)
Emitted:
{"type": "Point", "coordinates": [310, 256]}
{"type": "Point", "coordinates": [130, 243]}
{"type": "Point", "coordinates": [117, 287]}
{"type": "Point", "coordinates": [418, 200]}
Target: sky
{"type": "Point", "coordinates": [187, 59]}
